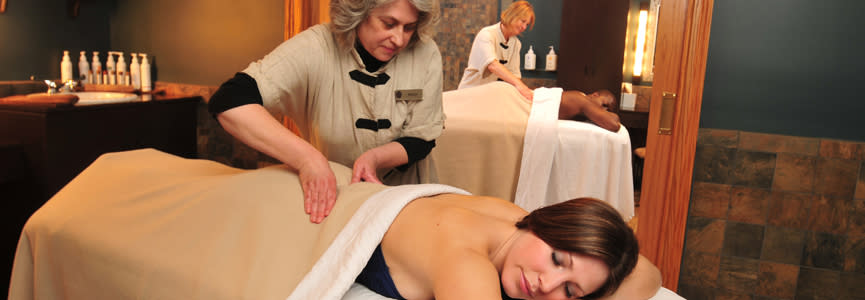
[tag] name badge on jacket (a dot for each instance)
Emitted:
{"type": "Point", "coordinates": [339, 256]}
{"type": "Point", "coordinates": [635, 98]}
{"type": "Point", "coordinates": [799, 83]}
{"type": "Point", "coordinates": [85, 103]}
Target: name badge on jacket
{"type": "Point", "coordinates": [409, 95]}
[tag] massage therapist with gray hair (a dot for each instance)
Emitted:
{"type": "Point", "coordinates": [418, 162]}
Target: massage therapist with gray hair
{"type": "Point", "coordinates": [364, 90]}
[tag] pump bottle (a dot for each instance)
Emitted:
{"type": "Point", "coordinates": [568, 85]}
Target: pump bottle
{"type": "Point", "coordinates": [135, 72]}
{"type": "Point", "coordinates": [65, 67]}
{"type": "Point", "coordinates": [551, 60]}
{"type": "Point", "coordinates": [110, 67]}
{"type": "Point", "coordinates": [83, 68]}
{"type": "Point", "coordinates": [531, 60]}
{"type": "Point", "coordinates": [145, 73]}
{"type": "Point", "coordinates": [97, 68]}
{"type": "Point", "coordinates": [122, 76]}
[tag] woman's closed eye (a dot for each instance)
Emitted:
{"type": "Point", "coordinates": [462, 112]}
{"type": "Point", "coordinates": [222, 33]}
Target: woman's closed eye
{"type": "Point", "coordinates": [568, 288]}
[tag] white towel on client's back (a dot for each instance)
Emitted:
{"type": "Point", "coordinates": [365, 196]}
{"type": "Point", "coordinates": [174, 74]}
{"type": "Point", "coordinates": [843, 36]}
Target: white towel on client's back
{"type": "Point", "coordinates": [539, 149]}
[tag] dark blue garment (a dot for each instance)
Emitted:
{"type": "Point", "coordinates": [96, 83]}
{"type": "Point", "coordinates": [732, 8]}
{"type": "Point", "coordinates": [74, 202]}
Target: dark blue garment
{"type": "Point", "coordinates": [376, 276]}
{"type": "Point", "coordinates": [504, 296]}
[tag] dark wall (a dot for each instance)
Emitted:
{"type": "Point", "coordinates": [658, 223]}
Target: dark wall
{"type": "Point", "coordinates": [198, 41]}
{"type": "Point", "coordinates": [548, 22]}
{"type": "Point", "coordinates": [791, 67]}
{"type": "Point", "coordinates": [192, 41]}
{"type": "Point", "coordinates": [34, 33]}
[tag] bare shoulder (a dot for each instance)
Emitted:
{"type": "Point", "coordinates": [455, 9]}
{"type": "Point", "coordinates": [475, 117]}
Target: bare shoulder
{"type": "Point", "coordinates": [643, 282]}
{"type": "Point", "coordinates": [465, 275]}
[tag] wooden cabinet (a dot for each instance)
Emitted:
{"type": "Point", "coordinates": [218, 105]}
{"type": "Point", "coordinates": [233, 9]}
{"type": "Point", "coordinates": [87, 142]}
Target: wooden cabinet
{"type": "Point", "coordinates": [60, 142]}
{"type": "Point", "coordinates": [592, 45]}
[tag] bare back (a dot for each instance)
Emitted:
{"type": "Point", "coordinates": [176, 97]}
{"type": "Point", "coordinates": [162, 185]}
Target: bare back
{"type": "Point", "coordinates": [444, 246]}
{"type": "Point", "coordinates": [431, 234]}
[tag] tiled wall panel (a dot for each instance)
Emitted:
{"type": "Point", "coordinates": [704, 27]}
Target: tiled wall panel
{"type": "Point", "coordinates": [775, 217]}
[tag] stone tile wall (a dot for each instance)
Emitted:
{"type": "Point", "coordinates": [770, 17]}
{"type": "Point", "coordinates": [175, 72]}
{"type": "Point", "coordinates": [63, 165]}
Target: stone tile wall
{"type": "Point", "coordinates": [775, 217]}
{"type": "Point", "coordinates": [460, 21]}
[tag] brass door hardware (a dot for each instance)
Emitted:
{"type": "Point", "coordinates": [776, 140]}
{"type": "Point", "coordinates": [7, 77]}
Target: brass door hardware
{"type": "Point", "coordinates": [665, 125]}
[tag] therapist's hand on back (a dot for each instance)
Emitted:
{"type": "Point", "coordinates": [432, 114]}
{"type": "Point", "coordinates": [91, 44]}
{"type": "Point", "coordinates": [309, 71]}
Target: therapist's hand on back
{"type": "Point", "coordinates": [365, 167]}
{"type": "Point", "coordinates": [319, 188]}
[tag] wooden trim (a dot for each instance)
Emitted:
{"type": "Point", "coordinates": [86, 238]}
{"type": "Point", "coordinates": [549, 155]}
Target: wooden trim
{"type": "Point", "coordinates": [301, 14]}
{"type": "Point", "coordinates": [680, 64]}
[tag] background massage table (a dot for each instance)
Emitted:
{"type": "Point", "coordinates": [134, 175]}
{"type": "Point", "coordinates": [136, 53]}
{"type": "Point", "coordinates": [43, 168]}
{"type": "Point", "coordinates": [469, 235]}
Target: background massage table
{"type": "Point", "coordinates": [482, 151]}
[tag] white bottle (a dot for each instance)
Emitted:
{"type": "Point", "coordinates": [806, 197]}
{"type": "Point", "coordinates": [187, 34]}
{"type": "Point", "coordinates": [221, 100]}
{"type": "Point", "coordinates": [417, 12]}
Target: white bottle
{"type": "Point", "coordinates": [65, 67]}
{"type": "Point", "coordinates": [122, 76]}
{"type": "Point", "coordinates": [83, 68]}
{"type": "Point", "coordinates": [109, 66]}
{"type": "Point", "coordinates": [145, 73]}
{"type": "Point", "coordinates": [135, 72]}
{"type": "Point", "coordinates": [551, 60]}
{"type": "Point", "coordinates": [531, 60]}
{"type": "Point", "coordinates": [97, 68]}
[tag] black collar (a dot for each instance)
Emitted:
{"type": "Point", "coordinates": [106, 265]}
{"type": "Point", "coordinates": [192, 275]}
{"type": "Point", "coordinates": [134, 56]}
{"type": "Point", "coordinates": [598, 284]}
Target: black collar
{"type": "Point", "coordinates": [372, 64]}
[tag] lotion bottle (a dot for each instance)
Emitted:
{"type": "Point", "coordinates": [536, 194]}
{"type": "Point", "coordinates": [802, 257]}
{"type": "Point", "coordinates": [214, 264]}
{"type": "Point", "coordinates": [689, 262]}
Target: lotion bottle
{"type": "Point", "coordinates": [145, 73]}
{"type": "Point", "coordinates": [551, 60]}
{"type": "Point", "coordinates": [83, 68]}
{"type": "Point", "coordinates": [110, 67]}
{"type": "Point", "coordinates": [122, 76]}
{"type": "Point", "coordinates": [531, 60]}
{"type": "Point", "coordinates": [97, 68]}
{"type": "Point", "coordinates": [65, 67]}
{"type": "Point", "coordinates": [135, 72]}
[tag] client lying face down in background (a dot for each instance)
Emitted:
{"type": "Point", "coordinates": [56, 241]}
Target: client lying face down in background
{"type": "Point", "coordinates": [592, 106]}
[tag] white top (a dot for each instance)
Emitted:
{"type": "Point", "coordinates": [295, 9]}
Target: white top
{"type": "Point", "coordinates": [307, 79]}
{"type": "Point", "coordinates": [487, 47]}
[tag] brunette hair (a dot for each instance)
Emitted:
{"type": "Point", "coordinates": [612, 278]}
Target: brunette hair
{"type": "Point", "coordinates": [589, 227]}
{"type": "Point", "coordinates": [346, 16]}
{"type": "Point", "coordinates": [518, 10]}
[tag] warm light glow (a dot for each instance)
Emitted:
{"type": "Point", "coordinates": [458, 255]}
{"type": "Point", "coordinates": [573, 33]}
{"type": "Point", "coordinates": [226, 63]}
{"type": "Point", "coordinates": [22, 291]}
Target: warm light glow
{"type": "Point", "coordinates": [641, 42]}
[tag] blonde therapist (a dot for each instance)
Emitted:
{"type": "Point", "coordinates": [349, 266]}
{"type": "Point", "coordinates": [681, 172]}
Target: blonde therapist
{"type": "Point", "coordinates": [365, 91]}
{"type": "Point", "coordinates": [495, 53]}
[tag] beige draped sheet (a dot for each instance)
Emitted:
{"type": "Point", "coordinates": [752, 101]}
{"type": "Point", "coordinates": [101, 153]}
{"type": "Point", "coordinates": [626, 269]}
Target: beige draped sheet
{"type": "Point", "coordinates": [148, 225]}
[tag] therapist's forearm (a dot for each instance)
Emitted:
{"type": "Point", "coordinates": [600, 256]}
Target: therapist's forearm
{"type": "Point", "coordinates": [255, 127]}
{"type": "Point", "coordinates": [504, 74]}
{"type": "Point", "coordinates": [389, 155]}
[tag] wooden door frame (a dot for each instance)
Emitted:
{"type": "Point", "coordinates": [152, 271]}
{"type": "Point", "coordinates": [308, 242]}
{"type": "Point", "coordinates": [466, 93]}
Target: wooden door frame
{"type": "Point", "coordinates": [680, 68]}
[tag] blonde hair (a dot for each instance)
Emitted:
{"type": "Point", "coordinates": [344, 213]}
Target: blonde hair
{"type": "Point", "coordinates": [519, 10]}
{"type": "Point", "coordinates": [346, 16]}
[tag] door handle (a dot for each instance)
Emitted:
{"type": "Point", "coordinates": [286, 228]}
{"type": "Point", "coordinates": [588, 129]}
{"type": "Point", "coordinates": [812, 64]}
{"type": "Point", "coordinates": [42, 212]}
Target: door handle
{"type": "Point", "coordinates": [665, 124]}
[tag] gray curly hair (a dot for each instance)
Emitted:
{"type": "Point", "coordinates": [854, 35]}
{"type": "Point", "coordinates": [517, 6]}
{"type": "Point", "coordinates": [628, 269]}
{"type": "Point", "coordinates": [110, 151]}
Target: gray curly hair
{"type": "Point", "coordinates": [346, 15]}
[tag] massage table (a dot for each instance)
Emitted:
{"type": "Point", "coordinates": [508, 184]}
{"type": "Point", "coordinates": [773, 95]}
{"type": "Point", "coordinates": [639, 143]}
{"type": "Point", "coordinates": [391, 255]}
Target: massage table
{"type": "Point", "coordinates": [495, 143]}
{"type": "Point", "coordinates": [144, 224]}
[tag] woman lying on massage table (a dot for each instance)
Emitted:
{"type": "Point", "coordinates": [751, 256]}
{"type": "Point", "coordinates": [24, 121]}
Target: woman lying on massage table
{"type": "Point", "coordinates": [578, 249]}
{"type": "Point", "coordinates": [148, 225]}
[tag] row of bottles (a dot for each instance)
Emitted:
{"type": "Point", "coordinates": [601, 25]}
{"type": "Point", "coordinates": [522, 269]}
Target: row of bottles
{"type": "Point", "coordinates": [531, 60]}
{"type": "Point", "coordinates": [138, 74]}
